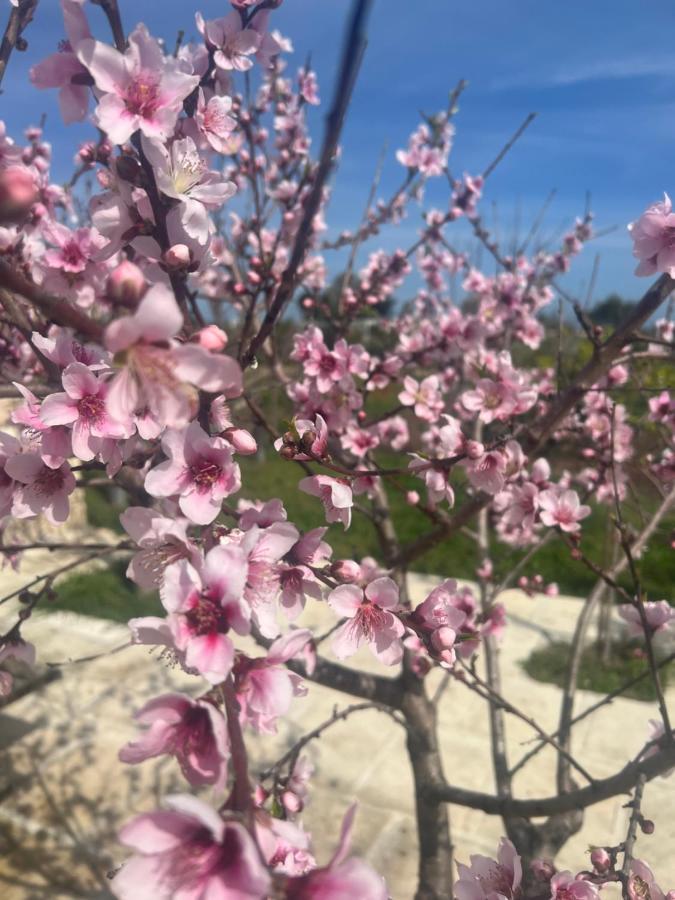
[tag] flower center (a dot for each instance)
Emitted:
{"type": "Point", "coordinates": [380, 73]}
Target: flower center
{"type": "Point", "coordinates": [205, 473]}
{"type": "Point", "coordinates": [371, 619]}
{"type": "Point", "coordinates": [206, 615]}
{"type": "Point", "coordinates": [48, 482]}
{"type": "Point", "coordinates": [72, 257]}
{"type": "Point", "coordinates": [189, 171]}
{"type": "Point", "coordinates": [91, 408]}
{"type": "Point", "coordinates": [142, 95]}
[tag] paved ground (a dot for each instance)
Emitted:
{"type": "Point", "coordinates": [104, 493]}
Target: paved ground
{"type": "Point", "coordinates": [64, 793]}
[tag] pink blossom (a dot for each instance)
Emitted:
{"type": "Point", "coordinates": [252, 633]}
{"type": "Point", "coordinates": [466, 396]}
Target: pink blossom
{"type": "Point", "coordinates": [264, 548]}
{"type": "Point", "coordinates": [491, 400]}
{"type": "Point", "coordinates": [204, 604]}
{"type": "Point", "coordinates": [370, 619]}
{"type": "Point", "coordinates": [359, 441]}
{"type": "Point", "coordinates": [214, 122]}
{"type": "Point", "coordinates": [654, 239]}
{"type": "Point", "coordinates": [487, 879]}
{"type": "Point", "coordinates": [562, 508]}
{"type": "Point", "coordinates": [200, 471]}
{"type": "Point", "coordinates": [487, 472]}
{"type": "Point", "coordinates": [233, 44]}
{"type": "Point", "coordinates": [642, 884]}
{"type": "Point", "coordinates": [157, 374]}
{"type": "Point", "coordinates": [188, 850]}
{"type": "Point", "coordinates": [83, 405]}
{"type": "Point", "coordinates": [194, 731]}
{"type": "Point", "coordinates": [141, 89]}
{"type": "Point", "coordinates": [44, 490]}
{"type": "Point", "coordinates": [59, 69]}
{"type": "Point", "coordinates": [255, 512]}
{"type": "Point", "coordinates": [343, 877]}
{"type": "Point", "coordinates": [424, 397]}
{"type": "Point", "coordinates": [659, 614]}
{"type": "Point", "coordinates": [182, 174]}
{"type": "Point", "coordinates": [265, 687]}
{"type": "Point", "coordinates": [162, 541]}
{"type": "Point", "coordinates": [335, 494]}
{"type": "Point", "coordinates": [564, 886]}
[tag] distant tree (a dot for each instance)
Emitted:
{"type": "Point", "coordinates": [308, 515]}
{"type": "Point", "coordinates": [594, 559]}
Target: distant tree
{"type": "Point", "coordinates": [612, 310]}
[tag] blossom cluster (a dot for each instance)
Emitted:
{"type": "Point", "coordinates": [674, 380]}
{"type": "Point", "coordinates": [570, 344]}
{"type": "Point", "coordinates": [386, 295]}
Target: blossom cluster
{"type": "Point", "coordinates": [129, 356]}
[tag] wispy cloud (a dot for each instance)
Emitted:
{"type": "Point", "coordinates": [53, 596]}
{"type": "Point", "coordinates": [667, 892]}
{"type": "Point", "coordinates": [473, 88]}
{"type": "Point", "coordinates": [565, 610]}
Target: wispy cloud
{"type": "Point", "coordinates": [598, 70]}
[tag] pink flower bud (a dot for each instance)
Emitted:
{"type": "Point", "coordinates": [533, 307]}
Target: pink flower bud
{"type": "Point", "coordinates": [474, 449]}
{"type": "Point", "coordinates": [178, 256]}
{"type": "Point", "coordinates": [542, 869]}
{"type": "Point", "coordinates": [242, 441]}
{"type": "Point", "coordinates": [126, 284]}
{"type": "Point", "coordinates": [18, 192]}
{"type": "Point", "coordinates": [647, 826]}
{"type": "Point", "coordinates": [413, 498]}
{"type": "Point", "coordinates": [212, 338]}
{"type": "Point", "coordinates": [260, 795]}
{"type": "Point", "coordinates": [600, 859]}
{"type": "Point", "coordinates": [291, 802]}
{"type": "Point", "coordinates": [443, 638]}
{"type": "Point", "coordinates": [346, 570]}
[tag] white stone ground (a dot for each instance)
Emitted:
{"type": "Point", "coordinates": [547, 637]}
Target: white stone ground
{"type": "Point", "coordinates": [63, 792]}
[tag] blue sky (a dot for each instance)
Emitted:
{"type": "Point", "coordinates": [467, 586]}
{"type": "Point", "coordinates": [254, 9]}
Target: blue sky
{"type": "Point", "coordinates": [599, 73]}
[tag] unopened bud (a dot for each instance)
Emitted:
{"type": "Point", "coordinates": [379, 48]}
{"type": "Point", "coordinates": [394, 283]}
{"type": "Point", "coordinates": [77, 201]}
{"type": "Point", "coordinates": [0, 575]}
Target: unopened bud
{"type": "Point", "coordinates": [178, 256]}
{"type": "Point", "coordinates": [346, 570]}
{"type": "Point", "coordinates": [292, 803]}
{"type": "Point", "coordinates": [212, 338]}
{"type": "Point", "coordinates": [647, 826]}
{"type": "Point", "coordinates": [242, 441]}
{"type": "Point", "coordinates": [412, 497]}
{"type": "Point", "coordinates": [18, 192]}
{"type": "Point", "coordinates": [443, 638]}
{"type": "Point", "coordinates": [600, 859]}
{"type": "Point", "coordinates": [474, 449]}
{"type": "Point", "coordinates": [129, 169]}
{"type": "Point", "coordinates": [126, 284]}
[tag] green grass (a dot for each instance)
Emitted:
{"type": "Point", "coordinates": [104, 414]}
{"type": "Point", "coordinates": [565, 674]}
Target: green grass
{"type": "Point", "coordinates": [105, 593]}
{"type": "Point", "coordinates": [550, 663]}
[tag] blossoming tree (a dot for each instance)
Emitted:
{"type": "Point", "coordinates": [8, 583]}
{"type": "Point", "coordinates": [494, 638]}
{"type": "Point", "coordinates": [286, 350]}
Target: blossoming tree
{"type": "Point", "coordinates": [133, 329]}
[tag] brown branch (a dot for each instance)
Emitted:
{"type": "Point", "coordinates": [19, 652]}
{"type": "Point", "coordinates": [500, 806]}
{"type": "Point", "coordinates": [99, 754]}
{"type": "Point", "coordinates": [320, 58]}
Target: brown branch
{"type": "Point", "coordinates": [56, 309]}
{"type": "Point", "coordinates": [112, 13]}
{"type": "Point", "coordinates": [635, 819]}
{"type": "Point", "coordinates": [621, 782]}
{"type": "Point", "coordinates": [19, 19]}
{"type": "Point", "coordinates": [352, 55]}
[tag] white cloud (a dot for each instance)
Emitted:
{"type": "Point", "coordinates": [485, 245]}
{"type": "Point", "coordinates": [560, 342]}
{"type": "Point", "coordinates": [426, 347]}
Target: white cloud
{"type": "Point", "coordinates": [614, 69]}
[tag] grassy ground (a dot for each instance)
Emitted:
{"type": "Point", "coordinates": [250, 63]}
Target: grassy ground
{"type": "Point", "coordinates": [550, 663]}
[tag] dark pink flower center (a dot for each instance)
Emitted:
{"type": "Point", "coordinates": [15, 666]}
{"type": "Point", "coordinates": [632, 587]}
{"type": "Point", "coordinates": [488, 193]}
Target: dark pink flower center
{"type": "Point", "coordinates": [91, 408]}
{"type": "Point", "coordinates": [72, 256]}
{"type": "Point", "coordinates": [205, 473]}
{"type": "Point", "coordinates": [142, 95]}
{"type": "Point", "coordinates": [371, 619]}
{"type": "Point", "coordinates": [328, 363]}
{"type": "Point", "coordinates": [48, 482]}
{"type": "Point", "coordinates": [206, 615]}
{"type": "Point", "coordinates": [194, 733]}
{"type": "Point", "coordinates": [189, 864]}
